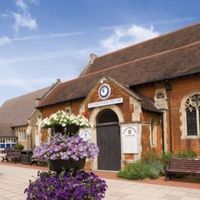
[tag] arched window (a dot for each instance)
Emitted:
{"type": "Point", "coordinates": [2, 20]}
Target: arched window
{"type": "Point", "coordinates": [192, 110]}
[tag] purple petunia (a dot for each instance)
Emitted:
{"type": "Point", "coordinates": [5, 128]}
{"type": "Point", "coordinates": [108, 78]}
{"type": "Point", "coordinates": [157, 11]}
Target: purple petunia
{"type": "Point", "coordinates": [64, 147]}
{"type": "Point", "coordinates": [66, 186]}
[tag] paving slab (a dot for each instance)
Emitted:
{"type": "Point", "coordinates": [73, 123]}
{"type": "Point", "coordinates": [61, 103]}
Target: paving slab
{"type": "Point", "coordinates": [13, 181]}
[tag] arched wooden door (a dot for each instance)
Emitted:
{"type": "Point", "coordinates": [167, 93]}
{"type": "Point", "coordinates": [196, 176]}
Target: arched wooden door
{"type": "Point", "coordinates": [108, 140]}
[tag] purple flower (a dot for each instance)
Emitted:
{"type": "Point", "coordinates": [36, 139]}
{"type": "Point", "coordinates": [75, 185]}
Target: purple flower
{"type": "Point", "coordinates": [65, 186]}
{"type": "Point", "coordinates": [64, 147]}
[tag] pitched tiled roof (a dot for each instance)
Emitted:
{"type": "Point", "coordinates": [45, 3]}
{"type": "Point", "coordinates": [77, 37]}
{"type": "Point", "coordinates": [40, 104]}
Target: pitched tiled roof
{"type": "Point", "coordinates": [153, 46]}
{"type": "Point", "coordinates": [165, 65]}
{"type": "Point", "coordinates": [16, 111]}
{"type": "Point", "coordinates": [6, 130]}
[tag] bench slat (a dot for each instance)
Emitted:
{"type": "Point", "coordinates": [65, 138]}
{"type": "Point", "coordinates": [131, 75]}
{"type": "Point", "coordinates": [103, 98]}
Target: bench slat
{"type": "Point", "coordinates": [188, 166]}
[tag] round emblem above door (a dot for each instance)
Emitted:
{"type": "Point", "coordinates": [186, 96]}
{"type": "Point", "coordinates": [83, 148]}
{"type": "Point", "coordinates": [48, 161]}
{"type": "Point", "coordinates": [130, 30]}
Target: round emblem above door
{"type": "Point", "coordinates": [104, 91]}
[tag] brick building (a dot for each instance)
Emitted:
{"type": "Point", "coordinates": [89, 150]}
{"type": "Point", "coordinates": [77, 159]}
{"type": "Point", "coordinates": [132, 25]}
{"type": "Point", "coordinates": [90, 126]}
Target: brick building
{"type": "Point", "coordinates": [142, 98]}
{"type": "Point", "coordinates": [19, 119]}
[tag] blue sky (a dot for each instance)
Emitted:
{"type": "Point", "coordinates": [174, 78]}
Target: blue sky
{"type": "Point", "coordinates": [42, 40]}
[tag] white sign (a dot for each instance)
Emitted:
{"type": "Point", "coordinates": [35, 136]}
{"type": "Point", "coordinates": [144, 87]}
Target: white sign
{"type": "Point", "coordinates": [105, 103]}
{"type": "Point", "coordinates": [130, 138]}
{"type": "Point", "coordinates": [85, 134]}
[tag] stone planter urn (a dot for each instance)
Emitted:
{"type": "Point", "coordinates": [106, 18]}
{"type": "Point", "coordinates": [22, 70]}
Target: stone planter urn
{"type": "Point", "coordinates": [58, 129]}
{"type": "Point", "coordinates": [71, 129]}
{"type": "Point", "coordinates": [60, 165]}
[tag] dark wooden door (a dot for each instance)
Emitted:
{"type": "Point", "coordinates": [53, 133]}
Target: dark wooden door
{"type": "Point", "coordinates": [108, 141]}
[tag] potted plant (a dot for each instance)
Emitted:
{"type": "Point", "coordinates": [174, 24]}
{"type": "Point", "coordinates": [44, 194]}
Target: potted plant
{"type": "Point", "coordinates": [67, 124]}
{"type": "Point", "coordinates": [64, 152]}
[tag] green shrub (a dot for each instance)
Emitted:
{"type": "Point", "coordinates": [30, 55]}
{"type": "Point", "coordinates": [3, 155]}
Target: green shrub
{"type": "Point", "coordinates": [185, 154]}
{"type": "Point", "coordinates": [165, 158]}
{"type": "Point", "coordinates": [141, 170]}
{"type": "Point", "coordinates": [152, 165]}
{"type": "Point", "coordinates": [151, 156]}
{"type": "Point", "coordinates": [19, 147]}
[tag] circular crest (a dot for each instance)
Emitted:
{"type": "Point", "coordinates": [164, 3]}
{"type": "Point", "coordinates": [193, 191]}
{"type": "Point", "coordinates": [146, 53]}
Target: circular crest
{"type": "Point", "coordinates": [104, 91]}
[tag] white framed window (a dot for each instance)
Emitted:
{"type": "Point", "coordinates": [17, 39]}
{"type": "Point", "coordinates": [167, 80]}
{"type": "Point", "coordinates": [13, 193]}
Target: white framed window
{"type": "Point", "coordinates": [192, 109]}
{"type": "Point", "coordinates": [22, 134]}
{"type": "Point", "coordinates": [7, 143]}
{"type": "Point", "coordinates": [191, 116]}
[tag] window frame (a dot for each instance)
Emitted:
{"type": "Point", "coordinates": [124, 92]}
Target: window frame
{"type": "Point", "coordinates": [183, 112]}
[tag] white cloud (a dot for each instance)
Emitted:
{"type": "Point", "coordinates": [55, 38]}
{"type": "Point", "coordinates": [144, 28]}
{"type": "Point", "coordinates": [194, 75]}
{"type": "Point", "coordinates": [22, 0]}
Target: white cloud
{"type": "Point", "coordinates": [49, 36]}
{"type": "Point", "coordinates": [4, 40]}
{"type": "Point", "coordinates": [27, 84]}
{"type": "Point", "coordinates": [76, 53]}
{"type": "Point", "coordinates": [23, 18]}
{"type": "Point", "coordinates": [125, 36]}
{"type": "Point", "coordinates": [21, 4]}
{"type": "Point", "coordinates": [159, 22]}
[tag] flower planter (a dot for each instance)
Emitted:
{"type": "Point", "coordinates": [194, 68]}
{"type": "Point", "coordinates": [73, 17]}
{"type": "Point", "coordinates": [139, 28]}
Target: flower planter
{"type": "Point", "coordinates": [71, 129]}
{"type": "Point", "coordinates": [58, 129]}
{"type": "Point", "coordinates": [60, 165]}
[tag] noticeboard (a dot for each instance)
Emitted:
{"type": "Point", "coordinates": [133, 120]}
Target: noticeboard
{"type": "Point", "coordinates": [129, 138]}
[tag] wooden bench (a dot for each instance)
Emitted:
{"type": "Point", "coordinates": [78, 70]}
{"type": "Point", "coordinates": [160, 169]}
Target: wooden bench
{"type": "Point", "coordinates": [183, 166]}
{"type": "Point", "coordinates": [12, 156]}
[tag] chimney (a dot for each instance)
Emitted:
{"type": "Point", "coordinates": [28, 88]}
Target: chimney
{"type": "Point", "coordinates": [92, 58]}
{"type": "Point", "coordinates": [37, 101]}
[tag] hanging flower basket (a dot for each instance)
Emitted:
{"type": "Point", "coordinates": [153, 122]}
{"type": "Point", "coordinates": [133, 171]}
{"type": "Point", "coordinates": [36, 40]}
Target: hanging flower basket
{"type": "Point", "coordinates": [71, 129]}
{"type": "Point", "coordinates": [66, 151]}
{"type": "Point", "coordinates": [58, 129]}
{"type": "Point", "coordinates": [66, 165]}
{"type": "Point", "coordinates": [67, 124]}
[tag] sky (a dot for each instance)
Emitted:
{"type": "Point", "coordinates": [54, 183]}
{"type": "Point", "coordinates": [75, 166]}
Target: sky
{"type": "Point", "coordinates": [43, 40]}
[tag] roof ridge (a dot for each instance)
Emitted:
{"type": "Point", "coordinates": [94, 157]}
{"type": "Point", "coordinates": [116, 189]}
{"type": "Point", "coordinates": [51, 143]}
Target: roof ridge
{"type": "Point", "coordinates": [132, 61]}
{"type": "Point", "coordinates": [143, 58]}
{"type": "Point", "coordinates": [155, 38]}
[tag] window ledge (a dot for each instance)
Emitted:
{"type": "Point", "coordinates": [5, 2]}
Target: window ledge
{"type": "Point", "coordinates": [191, 137]}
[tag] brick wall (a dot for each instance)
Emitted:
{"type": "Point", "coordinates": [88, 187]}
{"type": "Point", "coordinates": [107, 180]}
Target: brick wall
{"type": "Point", "coordinates": [180, 88]}
{"type": "Point", "coordinates": [116, 92]}
{"type": "Point", "coordinates": [146, 119]}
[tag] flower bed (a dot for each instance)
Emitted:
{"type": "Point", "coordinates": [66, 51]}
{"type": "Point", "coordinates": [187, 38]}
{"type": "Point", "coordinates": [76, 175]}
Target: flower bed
{"type": "Point", "coordinates": [66, 186]}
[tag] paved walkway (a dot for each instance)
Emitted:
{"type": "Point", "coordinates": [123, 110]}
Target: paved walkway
{"type": "Point", "coordinates": [13, 181]}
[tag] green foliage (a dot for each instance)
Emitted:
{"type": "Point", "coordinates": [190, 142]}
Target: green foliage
{"type": "Point", "coordinates": [19, 147]}
{"type": "Point", "coordinates": [152, 165]}
{"type": "Point", "coordinates": [141, 170]}
{"type": "Point", "coordinates": [151, 156]}
{"type": "Point", "coordinates": [165, 158]}
{"type": "Point", "coordinates": [185, 154]}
